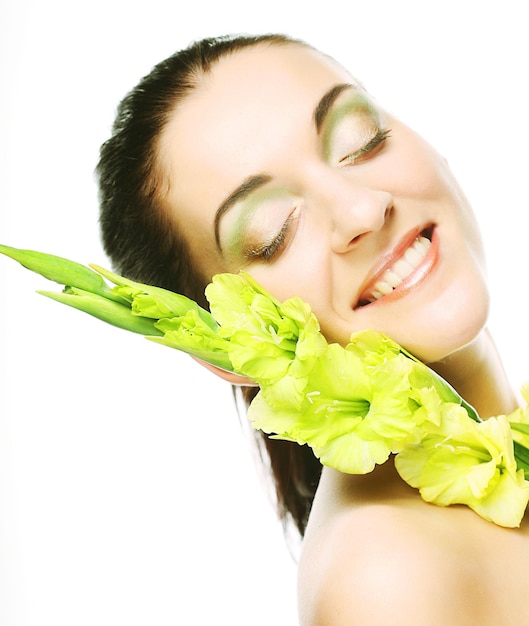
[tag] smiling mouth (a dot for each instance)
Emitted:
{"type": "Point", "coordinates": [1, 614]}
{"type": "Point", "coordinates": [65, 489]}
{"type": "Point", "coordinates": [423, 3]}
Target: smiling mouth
{"type": "Point", "coordinates": [402, 272]}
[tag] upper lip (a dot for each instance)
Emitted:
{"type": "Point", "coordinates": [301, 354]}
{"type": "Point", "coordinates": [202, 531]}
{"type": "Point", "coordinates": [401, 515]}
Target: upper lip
{"type": "Point", "coordinates": [387, 260]}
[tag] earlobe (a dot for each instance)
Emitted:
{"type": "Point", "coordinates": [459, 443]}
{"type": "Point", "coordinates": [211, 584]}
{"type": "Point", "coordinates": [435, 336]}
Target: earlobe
{"type": "Point", "coordinates": [233, 379]}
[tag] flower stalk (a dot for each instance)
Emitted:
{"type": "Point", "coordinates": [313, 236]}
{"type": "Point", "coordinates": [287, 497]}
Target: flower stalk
{"type": "Point", "coordinates": [355, 406]}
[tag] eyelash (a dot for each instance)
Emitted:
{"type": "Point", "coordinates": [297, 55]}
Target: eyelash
{"type": "Point", "coordinates": [269, 250]}
{"type": "Point", "coordinates": [377, 140]}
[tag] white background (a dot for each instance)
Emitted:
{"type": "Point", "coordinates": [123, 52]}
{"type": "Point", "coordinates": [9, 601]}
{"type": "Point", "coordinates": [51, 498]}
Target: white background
{"type": "Point", "coordinates": [128, 490]}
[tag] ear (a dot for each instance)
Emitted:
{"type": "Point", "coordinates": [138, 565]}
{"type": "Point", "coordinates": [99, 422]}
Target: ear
{"type": "Point", "coordinates": [232, 378]}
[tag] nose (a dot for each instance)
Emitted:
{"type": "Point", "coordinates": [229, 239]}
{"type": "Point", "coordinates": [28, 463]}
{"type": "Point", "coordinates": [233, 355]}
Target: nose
{"type": "Point", "coordinates": [354, 210]}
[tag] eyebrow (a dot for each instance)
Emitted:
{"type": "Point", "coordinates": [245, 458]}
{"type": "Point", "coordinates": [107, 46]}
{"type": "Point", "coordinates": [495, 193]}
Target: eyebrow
{"type": "Point", "coordinates": [252, 183]}
{"type": "Point", "coordinates": [325, 104]}
{"type": "Point", "coordinates": [249, 185]}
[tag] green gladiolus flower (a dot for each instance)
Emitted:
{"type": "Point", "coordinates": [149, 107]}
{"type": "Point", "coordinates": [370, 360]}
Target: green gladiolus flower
{"type": "Point", "coordinates": [191, 334]}
{"type": "Point", "coordinates": [471, 463]}
{"type": "Point", "coordinates": [374, 348]}
{"type": "Point", "coordinates": [355, 406]}
{"type": "Point", "coordinates": [276, 344]}
{"type": "Point", "coordinates": [352, 415]}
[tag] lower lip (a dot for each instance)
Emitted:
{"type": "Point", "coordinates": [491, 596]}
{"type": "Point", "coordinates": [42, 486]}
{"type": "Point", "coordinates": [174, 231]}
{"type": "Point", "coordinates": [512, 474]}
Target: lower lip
{"type": "Point", "coordinates": [416, 278]}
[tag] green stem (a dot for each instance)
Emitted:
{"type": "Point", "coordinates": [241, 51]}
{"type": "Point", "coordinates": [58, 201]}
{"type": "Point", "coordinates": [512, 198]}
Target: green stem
{"type": "Point", "coordinates": [521, 454]}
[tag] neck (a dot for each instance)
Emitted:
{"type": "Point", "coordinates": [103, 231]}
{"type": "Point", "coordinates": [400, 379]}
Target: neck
{"type": "Point", "coordinates": [477, 373]}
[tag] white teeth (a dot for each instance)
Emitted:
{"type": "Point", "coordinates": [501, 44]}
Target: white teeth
{"type": "Point", "coordinates": [412, 256]}
{"type": "Point", "coordinates": [392, 278]}
{"type": "Point", "coordinates": [383, 287]}
{"type": "Point", "coordinates": [401, 269]}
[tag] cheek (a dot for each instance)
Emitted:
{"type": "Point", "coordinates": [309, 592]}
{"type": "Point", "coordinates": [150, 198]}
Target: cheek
{"type": "Point", "coordinates": [420, 176]}
{"type": "Point", "coordinates": [305, 274]}
{"type": "Point", "coordinates": [311, 284]}
{"type": "Point", "coordinates": [412, 167]}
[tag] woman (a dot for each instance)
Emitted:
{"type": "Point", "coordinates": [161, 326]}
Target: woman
{"type": "Point", "coordinates": [265, 155]}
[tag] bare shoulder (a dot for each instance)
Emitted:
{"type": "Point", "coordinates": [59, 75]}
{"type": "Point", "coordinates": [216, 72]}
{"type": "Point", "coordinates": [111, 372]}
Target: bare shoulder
{"type": "Point", "coordinates": [381, 564]}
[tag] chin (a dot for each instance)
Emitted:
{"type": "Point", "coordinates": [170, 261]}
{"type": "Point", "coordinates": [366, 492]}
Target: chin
{"type": "Point", "coordinates": [445, 335]}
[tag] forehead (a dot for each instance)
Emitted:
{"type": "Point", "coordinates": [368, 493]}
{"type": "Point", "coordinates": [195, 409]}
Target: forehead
{"type": "Point", "coordinates": [248, 100]}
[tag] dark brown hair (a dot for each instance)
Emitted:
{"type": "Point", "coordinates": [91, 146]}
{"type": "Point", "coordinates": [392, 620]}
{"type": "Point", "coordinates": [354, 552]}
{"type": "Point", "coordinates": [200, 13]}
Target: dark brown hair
{"type": "Point", "coordinates": [143, 244]}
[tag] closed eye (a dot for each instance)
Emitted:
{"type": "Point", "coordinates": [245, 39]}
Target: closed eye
{"type": "Point", "coordinates": [371, 147]}
{"type": "Point", "coordinates": [269, 250]}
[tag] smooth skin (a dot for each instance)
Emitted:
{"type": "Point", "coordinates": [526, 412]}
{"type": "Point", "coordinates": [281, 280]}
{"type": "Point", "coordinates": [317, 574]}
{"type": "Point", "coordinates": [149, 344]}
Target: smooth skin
{"type": "Point", "coordinates": [280, 164]}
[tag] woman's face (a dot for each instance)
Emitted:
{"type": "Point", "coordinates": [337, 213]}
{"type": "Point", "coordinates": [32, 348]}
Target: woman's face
{"type": "Point", "coordinates": [282, 165]}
